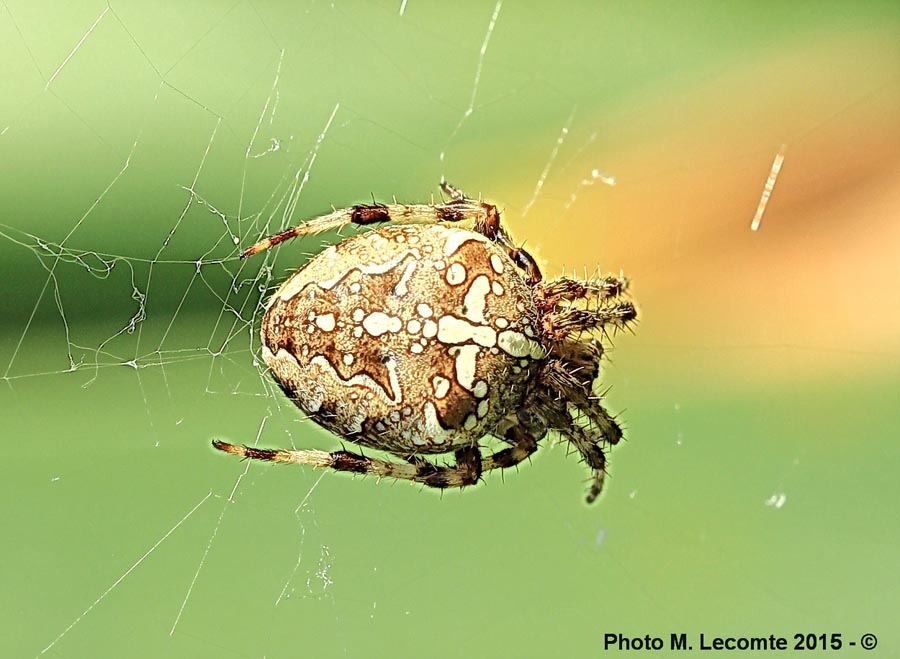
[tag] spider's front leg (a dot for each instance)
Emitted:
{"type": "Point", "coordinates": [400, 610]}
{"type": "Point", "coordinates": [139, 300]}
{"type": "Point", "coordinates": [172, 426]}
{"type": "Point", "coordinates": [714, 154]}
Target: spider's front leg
{"type": "Point", "coordinates": [565, 289]}
{"type": "Point", "coordinates": [564, 319]}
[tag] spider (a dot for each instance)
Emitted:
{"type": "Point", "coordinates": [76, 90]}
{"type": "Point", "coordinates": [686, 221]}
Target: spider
{"type": "Point", "coordinates": [422, 338]}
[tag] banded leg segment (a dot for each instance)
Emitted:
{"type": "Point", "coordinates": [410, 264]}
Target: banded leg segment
{"type": "Point", "coordinates": [588, 443]}
{"type": "Point", "coordinates": [564, 289]}
{"type": "Point", "coordinates": [523, 445]}
{"type": "Point", "coordinates": [581, 420]}
{"type": "Point", "coordinates": [470, 464]}
{"type": "Point", "coordinates": [467, 470]}
{"type": "Point", "coordinates": [491, 229]}
{"type": "Point", "coordinates": [485, 219]}
{"type": "Point", "coordinates": [601, 305]}
{"type": "Point", "coordinates": [569, 321]}
{"type": "Point", "coordinates": [483, 215]}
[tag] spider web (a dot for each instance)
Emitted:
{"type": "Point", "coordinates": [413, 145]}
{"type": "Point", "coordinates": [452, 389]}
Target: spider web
{"type": "Point", "coordinates": [143, 150]}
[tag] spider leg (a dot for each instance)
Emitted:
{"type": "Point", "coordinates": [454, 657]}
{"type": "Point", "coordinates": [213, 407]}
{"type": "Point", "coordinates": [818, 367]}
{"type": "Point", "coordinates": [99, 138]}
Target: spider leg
{"type": "Point", "coordinates": [484, 215]}
{"type": "Point", "coordinates": [523, 445]}
{"type": "Point", "coordinates": [558, 377]}
{"type": "Point", "coordinates": [586, 439]}
{"type": "Point", "coordinates": [604, 306]}
{"type": "Point", "coordinates": [588, 444]}
{"type": "Point", "coordinates": [491, 229]}
{"type": "Point", "coordinates": [485, 218]}
{"type": "Point", "coordinates": [452, 191]}
{"type": "Point", "coordinates": [574, 393]}
{"type": "Point", "coordinates": [520, 257]}
{"type": "Point", "coordinates": [467, 471]}
{"type": "Point", "coordinates": [564, 289]}
{"type": "Point", "coordinates": [568, 321]}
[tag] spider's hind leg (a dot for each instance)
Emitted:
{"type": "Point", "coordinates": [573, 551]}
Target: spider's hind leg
{"type": "Point", "coordinates": [466, 471]}
{"type": "Point", "coordinates": [470, 464]}
{"type": "Point", "coordinates": [460, 208]}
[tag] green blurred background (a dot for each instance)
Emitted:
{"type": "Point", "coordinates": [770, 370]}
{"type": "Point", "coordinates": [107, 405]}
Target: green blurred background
{"type": "Point", "coordinates": [139, 144]}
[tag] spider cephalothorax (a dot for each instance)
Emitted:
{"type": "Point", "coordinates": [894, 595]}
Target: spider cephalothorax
{"type": "Point", "coordinates": [425, 337]}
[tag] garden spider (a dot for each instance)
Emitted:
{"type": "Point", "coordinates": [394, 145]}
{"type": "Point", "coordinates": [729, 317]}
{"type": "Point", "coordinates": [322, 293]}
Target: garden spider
{"type": "Point", "coordinates": [423, 337]}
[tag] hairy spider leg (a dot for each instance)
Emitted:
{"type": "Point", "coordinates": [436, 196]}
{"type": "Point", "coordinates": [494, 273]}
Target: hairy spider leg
{"type": "Point", "coordinates": [492, 230]}
{"type": "Point", "coordinates": [601, 427]}
{"type": "Point", "coordinates": [486, 219]}
{"type": "Point", "coordinates": [452, 191]}
{"type": "Point", "coordinates": [588, 445]}
{"type": "Point", "coordinates": [565, 289]}
{"type": "Point", "coordinates": [470, 464]}
{"type": "Point", "coordinates": [559, 377]}
{"type": "Point", "coordinates": [565, 404]}
{"type": "Point", "coordinates": [569, 321]}
{"type": "Point", "coordinates": [569, 405]}
{"type": "Point", "coordinates": [363, 214]}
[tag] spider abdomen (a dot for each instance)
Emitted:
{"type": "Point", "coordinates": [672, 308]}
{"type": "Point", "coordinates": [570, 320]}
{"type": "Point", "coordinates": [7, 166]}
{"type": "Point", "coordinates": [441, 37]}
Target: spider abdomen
{"type": "Point", "coordinates": [410, 339]}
